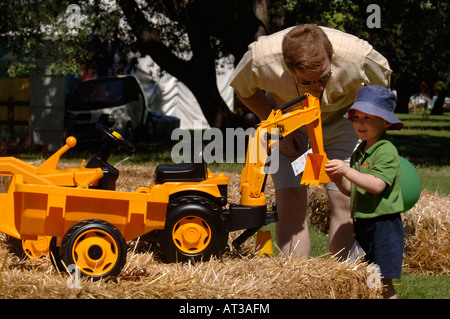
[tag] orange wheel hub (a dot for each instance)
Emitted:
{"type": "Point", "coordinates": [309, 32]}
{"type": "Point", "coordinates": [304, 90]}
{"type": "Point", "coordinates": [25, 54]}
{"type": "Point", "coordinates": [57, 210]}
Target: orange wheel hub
{"type": "Point", "coordinates": [191, 234]}
{"type": "Point", "coordinates": [36, 249]}
{"type": "Point", "coordinates": [95, 252]}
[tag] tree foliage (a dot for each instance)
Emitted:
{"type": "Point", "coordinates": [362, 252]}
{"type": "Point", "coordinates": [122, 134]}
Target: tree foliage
{"type": "Point", "coordinates": [412, 36]}
{"type": "Point", "coordinates": [187, 37]}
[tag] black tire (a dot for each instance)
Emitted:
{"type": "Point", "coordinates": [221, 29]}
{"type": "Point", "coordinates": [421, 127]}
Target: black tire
{"type": "Point", "coordinates": [96, 247]}
{"type": "Point", "coordinates": [15, 247]}
{"type": "Point", "coordinates": [194, 230]}
{"type": "Point", "coordinates": [55, 255]}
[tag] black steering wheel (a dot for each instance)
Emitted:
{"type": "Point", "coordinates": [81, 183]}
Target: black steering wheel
{"type": "Point", "coordinates": [120, 142]}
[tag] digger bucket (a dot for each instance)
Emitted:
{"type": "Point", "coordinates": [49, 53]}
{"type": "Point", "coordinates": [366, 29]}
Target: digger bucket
{"type": "Point", "coordinates": [314, 173]}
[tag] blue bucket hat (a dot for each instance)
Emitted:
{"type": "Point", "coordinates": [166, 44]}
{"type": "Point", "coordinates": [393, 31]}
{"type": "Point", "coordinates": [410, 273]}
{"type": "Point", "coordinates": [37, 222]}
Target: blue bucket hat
{"type": "Point", "coordinates": [377, 101]}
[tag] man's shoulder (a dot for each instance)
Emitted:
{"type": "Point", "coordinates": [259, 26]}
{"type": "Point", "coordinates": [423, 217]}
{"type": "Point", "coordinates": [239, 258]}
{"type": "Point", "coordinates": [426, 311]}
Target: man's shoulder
{"type": "Point", "coordinates": [267, 49]}
{"type": "Point", "coordinates": [347, 47]}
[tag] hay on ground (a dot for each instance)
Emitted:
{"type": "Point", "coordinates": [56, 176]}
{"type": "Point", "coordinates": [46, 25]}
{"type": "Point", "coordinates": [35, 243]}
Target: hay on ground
{"type": "Point", "coordinates": [230, 277]}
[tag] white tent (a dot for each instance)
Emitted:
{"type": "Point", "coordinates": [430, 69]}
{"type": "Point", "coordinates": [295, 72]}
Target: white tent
{"type": "Point", "coordinates": [169, 96]}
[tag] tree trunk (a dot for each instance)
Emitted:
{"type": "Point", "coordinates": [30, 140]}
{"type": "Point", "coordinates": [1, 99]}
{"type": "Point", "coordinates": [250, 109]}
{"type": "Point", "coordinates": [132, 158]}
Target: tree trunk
{"type": "Point", "coordinates": [198, 74]}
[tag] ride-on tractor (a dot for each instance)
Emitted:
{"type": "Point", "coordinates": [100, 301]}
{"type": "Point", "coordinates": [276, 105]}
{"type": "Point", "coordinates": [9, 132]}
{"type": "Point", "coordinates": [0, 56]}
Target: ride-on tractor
{"type": "Point", "coordinates": [76, 217]}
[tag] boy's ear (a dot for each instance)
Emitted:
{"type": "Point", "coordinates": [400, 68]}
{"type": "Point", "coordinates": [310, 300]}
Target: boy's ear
{"type": "Point", "coordinates": [387, 124]}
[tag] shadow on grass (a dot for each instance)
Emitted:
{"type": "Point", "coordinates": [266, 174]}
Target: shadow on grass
{"type": "Point", "coordinates": [423, 149]}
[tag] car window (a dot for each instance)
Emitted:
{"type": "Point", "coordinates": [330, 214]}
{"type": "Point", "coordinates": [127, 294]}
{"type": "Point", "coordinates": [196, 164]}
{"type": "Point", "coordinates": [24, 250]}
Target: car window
{"type": "Point", "coordinates": [97, 94]}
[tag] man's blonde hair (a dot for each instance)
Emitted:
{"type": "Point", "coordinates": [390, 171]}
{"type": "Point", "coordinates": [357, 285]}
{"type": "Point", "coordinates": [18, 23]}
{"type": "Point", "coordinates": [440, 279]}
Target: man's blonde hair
{"type": "Point", "coordinates": [306, 47]}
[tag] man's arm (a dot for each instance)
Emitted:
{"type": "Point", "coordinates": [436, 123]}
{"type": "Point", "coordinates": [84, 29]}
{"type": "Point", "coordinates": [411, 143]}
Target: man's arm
{"type": "Point", "coordinates": [290, 145]}
{"type": "Point", "coordinates": [258, 104]}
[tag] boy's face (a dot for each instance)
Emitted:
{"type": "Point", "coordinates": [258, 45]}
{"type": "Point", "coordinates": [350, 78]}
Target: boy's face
{"type": "Point", "coordinates": [369, 128]}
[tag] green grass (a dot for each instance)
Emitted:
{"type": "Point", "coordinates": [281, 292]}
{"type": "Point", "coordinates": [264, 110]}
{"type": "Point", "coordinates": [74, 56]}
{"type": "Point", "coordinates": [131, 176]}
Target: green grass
{"type": "Point", "coordinates": [422, 287]}
{"type": "Point", "coordinates": [425, 142]}
{"type": "Point", "coordinates": [435, 178]}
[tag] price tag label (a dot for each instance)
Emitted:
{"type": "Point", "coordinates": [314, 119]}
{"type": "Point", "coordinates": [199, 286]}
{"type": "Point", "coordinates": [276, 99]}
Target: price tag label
{"type": "Point", "coordinates": [299, 164]}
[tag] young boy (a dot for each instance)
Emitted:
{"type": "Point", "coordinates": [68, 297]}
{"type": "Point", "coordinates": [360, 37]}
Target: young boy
{"type": "Point", "coordinates": [373, 182]}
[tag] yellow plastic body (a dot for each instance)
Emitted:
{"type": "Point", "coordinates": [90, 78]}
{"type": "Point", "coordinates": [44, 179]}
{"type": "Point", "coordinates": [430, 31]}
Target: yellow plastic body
{"type": "Point", "coordinates": [208, 186]}
{"type": "Point", "coordinates": [264, 243]}
{"type": "Point", "coordinates": [306, 112]}
{"type": "Point", "coordinates": [29, 210]}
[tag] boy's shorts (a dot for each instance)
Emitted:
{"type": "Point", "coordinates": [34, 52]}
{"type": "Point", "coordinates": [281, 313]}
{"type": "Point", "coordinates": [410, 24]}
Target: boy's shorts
{"type": "Point", "coordinates": [382, 240]}
{"type": "Point", "coordinates": [339, 140]}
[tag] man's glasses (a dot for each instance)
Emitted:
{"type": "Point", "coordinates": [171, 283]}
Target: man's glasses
{"type": "Point", "coordinates": [321, 81]}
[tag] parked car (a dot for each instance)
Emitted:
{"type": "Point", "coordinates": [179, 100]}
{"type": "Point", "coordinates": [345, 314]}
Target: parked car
{"type": "Point", "coordinates": [117, 102]}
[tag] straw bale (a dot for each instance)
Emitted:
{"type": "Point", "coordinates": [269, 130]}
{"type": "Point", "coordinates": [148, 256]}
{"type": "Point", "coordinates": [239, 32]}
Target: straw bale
{"type": "Point", "coordinates": [319, 209]}
{"type": "Point", "coordinates": [427, 243]}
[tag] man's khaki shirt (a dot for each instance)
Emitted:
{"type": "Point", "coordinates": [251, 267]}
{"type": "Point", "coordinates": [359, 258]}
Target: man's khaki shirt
{"type": "Point", "coordinates": [354, 62]}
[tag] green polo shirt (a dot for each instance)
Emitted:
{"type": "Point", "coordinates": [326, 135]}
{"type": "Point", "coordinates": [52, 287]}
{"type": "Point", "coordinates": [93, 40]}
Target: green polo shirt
{"type": "Point", "coordinates": [382, 161]}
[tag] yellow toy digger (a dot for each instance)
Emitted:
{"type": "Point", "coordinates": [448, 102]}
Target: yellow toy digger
{"type": "Point", "coordinates": [76, 216]}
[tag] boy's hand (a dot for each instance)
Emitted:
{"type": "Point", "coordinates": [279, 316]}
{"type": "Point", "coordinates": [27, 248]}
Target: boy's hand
{"type": "Point", "coordinates": [336, 168]}
{"type": "Point", "coordinates": [343, 175]}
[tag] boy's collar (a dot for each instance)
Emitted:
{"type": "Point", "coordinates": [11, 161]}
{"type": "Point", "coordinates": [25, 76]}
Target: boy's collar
{"type": "Point", "coordinates": [372, 148]}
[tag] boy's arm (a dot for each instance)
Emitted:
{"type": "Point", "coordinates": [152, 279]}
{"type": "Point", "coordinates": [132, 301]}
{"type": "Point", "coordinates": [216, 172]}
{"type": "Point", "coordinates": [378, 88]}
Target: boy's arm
{"type": "Point", "coordinates": [343, 185]}
{"type": "Point", "coordinates": [339, 170]}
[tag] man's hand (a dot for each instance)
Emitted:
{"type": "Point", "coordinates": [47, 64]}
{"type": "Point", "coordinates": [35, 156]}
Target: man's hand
{"type": "Point", "coordinates": [291, 145]}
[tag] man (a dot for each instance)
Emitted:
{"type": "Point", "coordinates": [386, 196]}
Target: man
{"type": "Point", "coordinates": [332, 66]}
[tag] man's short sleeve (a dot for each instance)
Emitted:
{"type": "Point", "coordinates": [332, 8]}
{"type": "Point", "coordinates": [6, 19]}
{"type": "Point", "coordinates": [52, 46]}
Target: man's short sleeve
{"type": "Point", "coordinates": [377, 70]}
{"type": "Point", "coordinates": [244, 80]}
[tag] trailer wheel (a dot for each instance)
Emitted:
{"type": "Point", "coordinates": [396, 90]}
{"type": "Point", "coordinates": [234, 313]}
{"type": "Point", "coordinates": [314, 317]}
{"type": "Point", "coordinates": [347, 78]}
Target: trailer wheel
{"type": "Point", "coordinates": [33, 249]}
{"type": "Point", "coordinates": [96, 247]}
{"type": "Point", "coordinates": [194, 230]}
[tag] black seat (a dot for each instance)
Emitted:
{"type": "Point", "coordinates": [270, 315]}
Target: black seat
{"type": "Point", "coordinates": [188, 172]}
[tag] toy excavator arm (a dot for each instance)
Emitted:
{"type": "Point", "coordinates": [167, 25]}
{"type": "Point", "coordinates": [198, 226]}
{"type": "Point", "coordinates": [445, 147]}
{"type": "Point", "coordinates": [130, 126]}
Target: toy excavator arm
{"type": "Point", "coordinates": [301, 111]}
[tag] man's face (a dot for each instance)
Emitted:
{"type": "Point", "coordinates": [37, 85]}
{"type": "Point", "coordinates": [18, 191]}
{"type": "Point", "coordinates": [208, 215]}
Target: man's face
{"type": "Point", "coordinates": [314, 82]}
